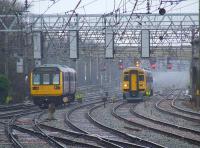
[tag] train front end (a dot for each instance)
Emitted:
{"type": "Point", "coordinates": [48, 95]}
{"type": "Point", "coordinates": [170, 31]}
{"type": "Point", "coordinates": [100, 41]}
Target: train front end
{"type": "Point", "coordinates": [46, 85]}
{"type": "Point", "coordinates": [133, 83]}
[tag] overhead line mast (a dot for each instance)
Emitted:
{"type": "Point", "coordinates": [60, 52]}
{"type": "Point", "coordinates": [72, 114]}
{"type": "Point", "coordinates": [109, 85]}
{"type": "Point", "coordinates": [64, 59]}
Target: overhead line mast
{"type": "Point", "coordinates": [198, 97]}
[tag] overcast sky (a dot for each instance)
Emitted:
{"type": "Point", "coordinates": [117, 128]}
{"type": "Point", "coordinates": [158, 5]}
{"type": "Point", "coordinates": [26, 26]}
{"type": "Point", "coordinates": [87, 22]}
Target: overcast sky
{"type": "Point", "coordinates": [106, 6]}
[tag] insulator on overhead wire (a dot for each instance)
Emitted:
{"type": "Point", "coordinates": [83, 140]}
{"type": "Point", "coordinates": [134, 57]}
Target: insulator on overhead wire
{"type": "Point", "coordinates": [26, 4]}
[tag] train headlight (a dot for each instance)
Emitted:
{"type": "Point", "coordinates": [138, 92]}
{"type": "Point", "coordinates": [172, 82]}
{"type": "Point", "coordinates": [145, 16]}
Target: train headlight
{"type": "Point", "coordinates": [65, 99]}
{"type": "Point", "coordinates": [125, 85]}
{"type": "Point", "coordinates": [56, 87]}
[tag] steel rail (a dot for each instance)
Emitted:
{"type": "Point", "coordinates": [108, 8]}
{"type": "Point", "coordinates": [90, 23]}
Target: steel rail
{"type": "Point", "coordinates": [62, 140]}
{"type": "Point", "coordinates": [193, 141]}
{"type": "Point", "coordinates": [23, 112]}
{"type": "Point", "coordinates": [164, 123]}
{"type": "Point", "coordinates": [49, 139]}
{"type": "Point", "coordinates": [106, 142]}
{"type": "Point", "coordinates": [136, 141]}
{"type": "Point", "coordinates": [11, 124]}
{"type": "Point", "coordinates": [11, 136]}
{"type": "Point", "coordinates": [14, 107]}
{"type": "Point", "coordinates": [183, 110]}
{"type": "Point", "coordinates": [72, 133]}
{"type": "Point", "coordinates": [174, 114]}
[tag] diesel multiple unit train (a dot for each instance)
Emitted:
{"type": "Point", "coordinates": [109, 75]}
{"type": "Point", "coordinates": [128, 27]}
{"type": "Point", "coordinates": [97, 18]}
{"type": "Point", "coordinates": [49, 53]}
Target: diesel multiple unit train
{"type": "Point", "coordinates": [51, 83]}
{"type": "Point", "coordinates": [136, 82]}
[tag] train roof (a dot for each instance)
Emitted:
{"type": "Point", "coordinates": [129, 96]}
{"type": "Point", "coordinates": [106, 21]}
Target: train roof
{"type": "Point", "coordinates": [133, 68]}
{"type": "Point", "coordinates": [63, 68]}
{"type": "Point", "coordinates": [136, 68]}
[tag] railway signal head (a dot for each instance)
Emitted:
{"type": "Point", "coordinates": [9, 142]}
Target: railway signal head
{"type": "Point", "coordinates": [120, 65]}
{"type": "Point", "coordinates": [153, 66]}
{"type": "Point", "coordinates": [169, 66]}
{"type": "Point", "coordinates": [137, 64]}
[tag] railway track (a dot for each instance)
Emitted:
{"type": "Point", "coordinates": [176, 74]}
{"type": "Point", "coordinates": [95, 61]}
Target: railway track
{"type": "Point", "coordinates": [74, 138]}
{"type": "Point", "coordinates": [167, 106]}
{"type": "Point", "coordinates": [108, 134]}
{"type": "Point", "coordinates": [15, 107]}
{"type": "Point", "coordinates": [77, 143]}
{"type": "Point", "coordinates": [77, 138]}
{"type": "Point", "coordinates": [187, 111]}
{"type": "Point", "coordinates": [162, 122]}
{"type": "Point", "coordinates": [18, 133]}
{"type": "Point", "coordinates": [170, 119]}
{"type": "Point", "coordinates": [20, 138]}
{"type": "Point", "coordinates": [4, 140]}
{"type": "Point", "coordinates": [51, 138]}
{"type": "Point", "coordinates": [91, 132]}
{"type": "Point", "coordinates": [189, 135]}
{"type": "Point", "coordinates": [16, 137]}
{"type": "Point", "coordinates": [70, 138]}
{"type": "Point", "coordinates": [7, 117]}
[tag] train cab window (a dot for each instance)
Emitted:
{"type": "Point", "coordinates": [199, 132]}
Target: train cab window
{"type": "Point", "coordinates": [36, 79]}
{"type": "Point", "coordinates": [55, 78]}
{"type": "Point", "coordinates": [141, 77]}
{"type": "Point", "coordinates": [46, 79]}
{"type": "Point", "coordinates": [126, 77]}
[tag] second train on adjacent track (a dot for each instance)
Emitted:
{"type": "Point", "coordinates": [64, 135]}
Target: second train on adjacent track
{"type": "Point", "coordinates": [135, 83]}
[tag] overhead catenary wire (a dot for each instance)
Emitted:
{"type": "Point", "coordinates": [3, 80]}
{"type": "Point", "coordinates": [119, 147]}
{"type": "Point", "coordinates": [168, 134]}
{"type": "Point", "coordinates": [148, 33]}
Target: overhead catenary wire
{"type": "Point", "coordinates": [87, 4]}
{"type": "Point", "coordinates": [130, 17]}
{"type": "Point", "coordinates": [184, 6]}
{"type": "Point", "coordinates": [113, 14]}
{"type": "Point", "coordinates": [54, 2]}
{"type": "Point", "coordinates": [167, 6]}
{"type": "Point", "coordinates": [73, 11]}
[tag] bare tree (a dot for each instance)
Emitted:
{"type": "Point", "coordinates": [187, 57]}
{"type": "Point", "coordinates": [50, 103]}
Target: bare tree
{"type": "Point", "coordinates": [11, 46]}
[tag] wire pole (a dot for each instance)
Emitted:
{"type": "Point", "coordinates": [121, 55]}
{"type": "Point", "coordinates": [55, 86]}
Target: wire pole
{"type": "Point", "coordinates": [198, 73]}
{"type": "Point", "coordinates": [6, 54]}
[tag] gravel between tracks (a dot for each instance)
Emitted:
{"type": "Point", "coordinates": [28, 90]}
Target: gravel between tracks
{"type": "Point", "coordinates": [4, 142]}
{"type": "Point", "coordinates": [59, 116]}
{"type": "Point", "coordinates": [151, 111]}
{"type": "Point", "coordinates": [186, 105]}
{"type": "Point", "coordinates": [166, 105]}
{"type": "Point", "coordinates": [59, 123]}
{"type": "Point", "coordinates": [104, 115]}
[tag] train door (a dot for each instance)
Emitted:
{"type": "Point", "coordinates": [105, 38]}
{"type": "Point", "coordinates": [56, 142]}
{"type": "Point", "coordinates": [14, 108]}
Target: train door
{"type": "Point", "coordinates": [73, 83]}
{"type": "Point", "coordinates": [134, 83]}
{"type": "Point", "coordinates": [66, 82]}
{"type": "Point", "coordinates": [71, 86]}
{"type": "Point", "coordinates": [142, 81]}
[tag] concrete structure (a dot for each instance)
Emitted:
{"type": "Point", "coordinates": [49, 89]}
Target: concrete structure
{"type": "Point", "coordinates": [195, 72]}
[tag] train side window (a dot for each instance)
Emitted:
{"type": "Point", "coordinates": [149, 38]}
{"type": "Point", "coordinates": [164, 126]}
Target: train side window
{"type": "Point", "coordinates": [126, 77]}
{"type": "Point", "coordinates": [56, 79]}
{"type": "Point", "coordinates": [141, 77]}
{"type": "Point", "coordinates": [36, 79]}
{"type": "Point", "coordinates": [151, 79]}
{"type": "Point", "coordinates": [66, 77]}
{"type": "Point", "coordinates": [46, 79]}
{"type": "Point", "coordinates": [72, 77]}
